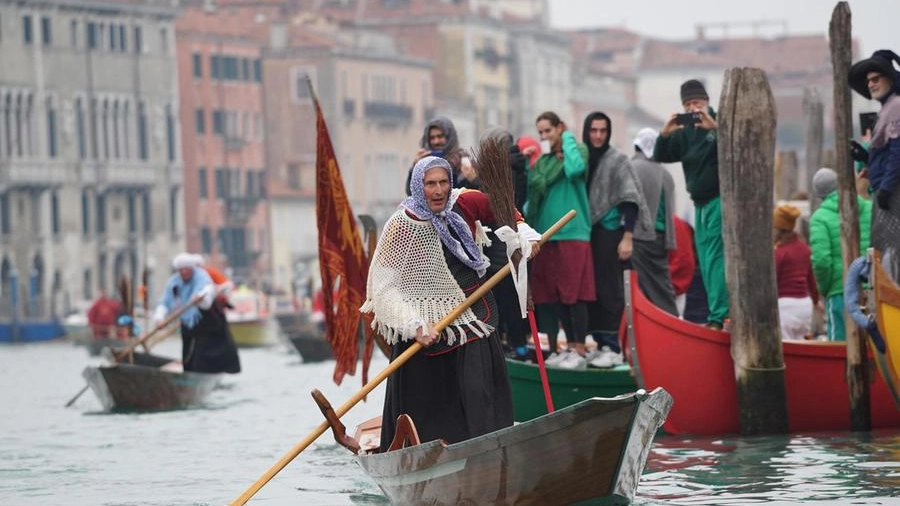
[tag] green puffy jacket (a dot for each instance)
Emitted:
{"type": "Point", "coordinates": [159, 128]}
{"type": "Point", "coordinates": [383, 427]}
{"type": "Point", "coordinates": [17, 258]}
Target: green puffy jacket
{"type": "Point", "coordinates": [825, 242]}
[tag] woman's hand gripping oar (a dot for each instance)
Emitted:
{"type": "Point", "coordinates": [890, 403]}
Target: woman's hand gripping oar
{"type": "Point", "coordinates": [125, 352]}
{"type": "Point", "coordinates": [393, 366]}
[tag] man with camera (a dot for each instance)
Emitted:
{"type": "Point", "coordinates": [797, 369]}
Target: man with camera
{"type": "Point", "coordinates": [690, 138]}
{"type": "Point", "coordinates": [878, 78]}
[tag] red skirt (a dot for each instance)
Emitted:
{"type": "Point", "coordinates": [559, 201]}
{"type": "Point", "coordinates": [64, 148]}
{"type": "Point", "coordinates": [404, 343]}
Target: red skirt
{"type": "Point", "coordinates": [563, 271]}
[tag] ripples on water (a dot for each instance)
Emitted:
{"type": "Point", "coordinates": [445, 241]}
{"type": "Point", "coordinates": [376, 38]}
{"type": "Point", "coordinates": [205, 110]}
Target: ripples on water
{"type": "Point", "coordinates": [80, 456]}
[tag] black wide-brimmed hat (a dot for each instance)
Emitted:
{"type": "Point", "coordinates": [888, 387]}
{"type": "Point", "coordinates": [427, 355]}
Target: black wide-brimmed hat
{"type": "Point", "coordinates": [881, 62]}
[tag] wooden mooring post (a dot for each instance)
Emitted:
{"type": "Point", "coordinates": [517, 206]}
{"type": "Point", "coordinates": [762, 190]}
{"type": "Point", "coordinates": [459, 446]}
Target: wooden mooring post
{"type": "Point", "coordinates": [839, 31]}
{"type": "Point", "coordinates": [813, 133]}
{"type": "Point", "coordinates": [746, 150]}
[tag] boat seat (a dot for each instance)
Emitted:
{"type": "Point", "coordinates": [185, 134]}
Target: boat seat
{"type": "Point", "coordinates": [405, 434]}
{"type": "Point", "coordinates": [337, 428]}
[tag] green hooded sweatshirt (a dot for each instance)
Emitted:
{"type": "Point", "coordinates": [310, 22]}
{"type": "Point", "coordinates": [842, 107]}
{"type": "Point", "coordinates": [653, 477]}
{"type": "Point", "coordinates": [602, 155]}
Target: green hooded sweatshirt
{"type": "Point", "coordinates": [825, 242]}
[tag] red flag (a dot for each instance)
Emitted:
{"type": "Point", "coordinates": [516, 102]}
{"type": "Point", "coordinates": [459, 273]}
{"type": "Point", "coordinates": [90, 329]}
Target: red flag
{"type": "Point", "coordinates": [342, 260]}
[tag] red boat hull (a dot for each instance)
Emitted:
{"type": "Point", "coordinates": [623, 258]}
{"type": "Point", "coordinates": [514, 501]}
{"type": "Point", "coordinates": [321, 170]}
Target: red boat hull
{"type": "Point", "coordinates": [694, 364]}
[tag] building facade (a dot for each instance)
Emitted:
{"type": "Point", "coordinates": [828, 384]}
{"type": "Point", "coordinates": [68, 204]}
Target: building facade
{"type": "Point", "coordinates": [90, 155]}
{"type": "Point", "coordinates": [225, 188]}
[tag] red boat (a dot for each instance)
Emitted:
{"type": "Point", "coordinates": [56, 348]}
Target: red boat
{"type": "Point", "coordinates": [694, 364]}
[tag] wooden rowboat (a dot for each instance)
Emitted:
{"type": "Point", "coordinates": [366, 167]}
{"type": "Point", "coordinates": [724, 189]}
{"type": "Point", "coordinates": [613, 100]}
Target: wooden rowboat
{"type": "Point", "coordinates": [144, 386]}
{"type": "Point", "coordinates": [252, 332]}
{"type": "Point", "coordinates": [567, 386]}
{"type": "Point", "coordinates": [592, 452]}
{"type": "Point", "coordinates": [886, 295]}
{"type": "Point", "coordinates": [694, 364]}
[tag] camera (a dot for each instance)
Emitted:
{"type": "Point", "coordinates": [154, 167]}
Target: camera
{"type": "Point", "coordinates": [688, 118]}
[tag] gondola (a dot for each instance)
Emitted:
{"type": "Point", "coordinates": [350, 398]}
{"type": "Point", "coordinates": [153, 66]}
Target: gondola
{"type": "Point", "coordinates": [592, 452]}
{"type": "Point", "coordinates": [145, 385]}
{"type": "Point", "coordinates": [694, 364]}
{"type": "Point", "coordinates": [886, 305]}
{"type": "Point", "coordinates": [567, 386]}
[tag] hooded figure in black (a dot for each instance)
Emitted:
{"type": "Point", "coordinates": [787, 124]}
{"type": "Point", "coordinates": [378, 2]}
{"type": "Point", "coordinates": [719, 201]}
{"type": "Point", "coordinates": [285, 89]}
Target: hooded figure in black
{"type": "Point", "coordinates": [616, 203]}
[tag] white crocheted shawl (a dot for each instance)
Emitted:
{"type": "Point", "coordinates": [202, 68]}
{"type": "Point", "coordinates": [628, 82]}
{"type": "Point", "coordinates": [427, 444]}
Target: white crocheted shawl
{"type": "Point", "coordinates": [410, 286]}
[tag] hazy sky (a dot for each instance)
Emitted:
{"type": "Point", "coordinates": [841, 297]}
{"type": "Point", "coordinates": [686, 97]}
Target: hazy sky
{"type": "Point", "coordinates": [875, 22]}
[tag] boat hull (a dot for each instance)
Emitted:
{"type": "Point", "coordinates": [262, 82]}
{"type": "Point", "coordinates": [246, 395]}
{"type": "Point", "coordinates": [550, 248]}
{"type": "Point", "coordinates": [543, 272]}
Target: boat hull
{"type": "Point", "coordinates": [694, 364]}
{"type": "Point", "coordinates": [252, 333]}
{"type": "Point", "coordinates": [567, 387]}
{"type": "Point", "coordinates": [143, 386]}
{"type": "Point", "coordinates": [887, 311]}
{"type": "Point", "coordinates": [590, 453]}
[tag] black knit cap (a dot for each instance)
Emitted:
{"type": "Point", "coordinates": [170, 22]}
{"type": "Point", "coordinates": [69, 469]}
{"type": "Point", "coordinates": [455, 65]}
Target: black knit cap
{"type": "Point", "coordinates": [692, 89]}
{"type": "Point", "coordinates": [881, 62]}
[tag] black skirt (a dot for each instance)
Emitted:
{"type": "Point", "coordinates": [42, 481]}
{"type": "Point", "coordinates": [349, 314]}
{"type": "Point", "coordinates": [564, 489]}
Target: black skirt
{"type": "Point", "coordinates": [208, 346]}
{"type": "Point", "coordinates": [458, 394]}
{"type": "Point", "coordinates": [454, 396]}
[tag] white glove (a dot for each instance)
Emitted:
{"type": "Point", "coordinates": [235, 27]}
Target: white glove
{"type": "Point", "coordinates": [208, 294]}
{"type": "Point", "coordinates": [159, 315]}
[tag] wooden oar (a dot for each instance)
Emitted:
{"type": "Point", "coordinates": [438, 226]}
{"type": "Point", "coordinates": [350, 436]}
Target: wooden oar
{"type": "Point", "coordinates": [393, 366]}
{"type": "Point", "coordinates": [118, 356]}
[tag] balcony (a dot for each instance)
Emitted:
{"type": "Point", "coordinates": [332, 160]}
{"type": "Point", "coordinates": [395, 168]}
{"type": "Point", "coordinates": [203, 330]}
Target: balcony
{"type": "Point", "coordinates": [240, 209]}
{"type": "Point", "coordinates": [119, 174]}
{"type": "Point", "coordinates": [388, 114]}
{"type": "Point", "coordinates": [233, 142]}
{"type": "Point", "coordinates": [16, 173]}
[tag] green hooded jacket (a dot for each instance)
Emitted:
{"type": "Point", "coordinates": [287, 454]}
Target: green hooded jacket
{"type": "Point", "coordinates": [825, 242]}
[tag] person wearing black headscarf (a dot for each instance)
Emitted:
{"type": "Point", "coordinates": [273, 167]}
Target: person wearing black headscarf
{"type": "Point", "coordinates": [440, 139]}
{"type": "Point", "coordinates": [877, 78]}
{"type": "Point", "coordinates": [616, 203]}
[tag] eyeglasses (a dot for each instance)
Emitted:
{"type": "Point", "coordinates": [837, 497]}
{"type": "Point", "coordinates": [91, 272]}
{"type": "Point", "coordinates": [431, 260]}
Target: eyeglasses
{"type": "Point", "coordinates": [874, 79]}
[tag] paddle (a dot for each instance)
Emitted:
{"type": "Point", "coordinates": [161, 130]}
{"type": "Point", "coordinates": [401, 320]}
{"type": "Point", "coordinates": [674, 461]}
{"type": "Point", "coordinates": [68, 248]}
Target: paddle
{"type": "Point", "coordinates": [118, 356]}
{"type": "Point", "coordinates": [393, 366]}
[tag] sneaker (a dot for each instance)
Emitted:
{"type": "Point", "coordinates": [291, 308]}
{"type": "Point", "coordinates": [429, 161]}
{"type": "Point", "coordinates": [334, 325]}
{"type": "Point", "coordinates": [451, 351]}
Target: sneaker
{"type": "Point", "coordinates": [573, 361]}
{"type": "Point", "coordinates": [555, 358]}
{"type": "Point", "coordinates": [714, 325]}
{"type": "Point", "coordinates": [607, 359]}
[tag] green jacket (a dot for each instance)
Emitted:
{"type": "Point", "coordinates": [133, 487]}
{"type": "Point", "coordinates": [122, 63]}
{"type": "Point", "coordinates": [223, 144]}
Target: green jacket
{"type": "Point", "coordinates": [696, 149]}
{"type": "Point", "coordinates": [556, 186]}
{"type": "Point", "coordinates": [825, 242]}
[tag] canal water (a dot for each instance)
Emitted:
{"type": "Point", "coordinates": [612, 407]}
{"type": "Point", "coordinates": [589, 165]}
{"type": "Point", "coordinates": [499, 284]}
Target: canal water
{"type": "Point", "coordinates": [80, 456]}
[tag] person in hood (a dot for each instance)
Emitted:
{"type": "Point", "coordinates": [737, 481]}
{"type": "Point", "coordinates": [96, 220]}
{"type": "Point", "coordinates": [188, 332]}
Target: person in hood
{"type": "Point", "coordinates": [825, 247]}
{"type": "Point", "coordinates": [695, 146]}
{"type": "Point", "coordinates": [440, 139]}
{"type": "Point", "coordinates": [654, 238]}
{"type": "Point", "coordinates": [616, 203]}
{"type": "Point", "coordinates": [877, 78]}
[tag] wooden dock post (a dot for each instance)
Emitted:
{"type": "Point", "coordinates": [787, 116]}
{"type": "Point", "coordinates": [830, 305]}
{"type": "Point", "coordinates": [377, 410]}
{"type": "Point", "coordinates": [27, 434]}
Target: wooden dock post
{"type": "Point", "coordinates": [839, 31]}
{"type": "Point", "coordinates": [746, 140]}
{"type": "Point", "coordinates": [813, 133]}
